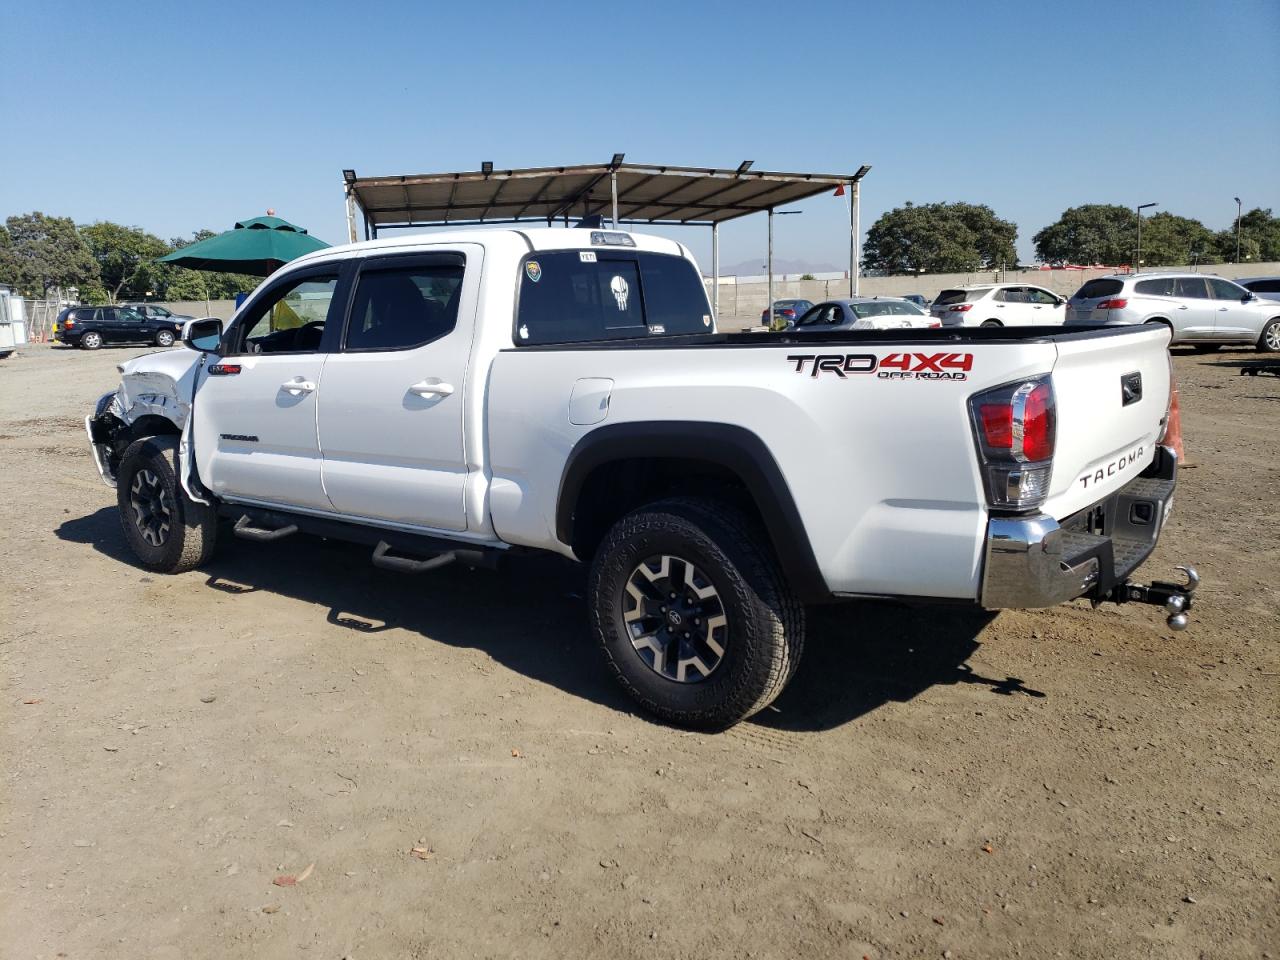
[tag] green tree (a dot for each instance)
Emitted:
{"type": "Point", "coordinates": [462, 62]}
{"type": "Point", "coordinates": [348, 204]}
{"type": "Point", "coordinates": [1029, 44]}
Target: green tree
{"type": "Point", "coordinates": [1092, 233]}
{"type": "Point", "coordinates": [44, 252]}
{"type": "Point", "coordinates": [124, 256]}
{"type": "Point", "coordinates": [1259, 238]}
{"type": "Point", "coordinates": [940, 238]}
{"type": "Point", "coordinates": [1171, 240]}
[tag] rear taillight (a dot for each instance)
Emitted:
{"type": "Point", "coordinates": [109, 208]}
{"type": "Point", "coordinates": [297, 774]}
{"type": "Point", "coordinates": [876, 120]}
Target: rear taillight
{"type": "Point", "coordinates": [1016, 428]}
{"type": "Point", "coordinates": [960, 308]}
{"type": "Point", "coordinates": [1117, 304]}
{"type": "Point", "coordinates": [68, 323]}
{"type": "Point", "coordinates": [1171, 436]}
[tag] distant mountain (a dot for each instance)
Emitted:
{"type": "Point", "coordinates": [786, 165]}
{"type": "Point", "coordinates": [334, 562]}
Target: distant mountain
{"type": "Point", "coordinates": [754, 268]}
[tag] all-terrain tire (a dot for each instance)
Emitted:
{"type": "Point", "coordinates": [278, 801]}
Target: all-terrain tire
{"type": "Point", "coordinates": [1269, 339]}
{"type": "Point", "coordinates": [763, 635]}
{"type": "Point", "coordinates": [167, 531]}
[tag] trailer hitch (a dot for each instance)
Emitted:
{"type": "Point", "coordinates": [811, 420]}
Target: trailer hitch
{"type": "Point", "coordinates": [1176, 598]}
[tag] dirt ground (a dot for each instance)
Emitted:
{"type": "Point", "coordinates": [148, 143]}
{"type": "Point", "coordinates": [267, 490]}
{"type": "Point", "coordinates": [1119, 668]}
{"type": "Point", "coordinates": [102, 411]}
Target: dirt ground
{"type": "Point", "coordinates": [933, 783]}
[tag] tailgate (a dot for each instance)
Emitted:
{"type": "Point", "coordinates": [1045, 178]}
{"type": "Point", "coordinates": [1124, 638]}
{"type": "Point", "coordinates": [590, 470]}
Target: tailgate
{"type": "Point", "coordinates": [1112, 396]}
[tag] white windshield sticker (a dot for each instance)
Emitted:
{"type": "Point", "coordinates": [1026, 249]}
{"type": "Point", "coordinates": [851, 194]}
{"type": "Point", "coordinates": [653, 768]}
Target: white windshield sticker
{"type": "Point", "coordinates": [620, 291]}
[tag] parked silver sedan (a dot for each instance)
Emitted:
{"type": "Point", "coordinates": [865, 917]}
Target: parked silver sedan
{"type": "Point", "coordinates": [862, 313]}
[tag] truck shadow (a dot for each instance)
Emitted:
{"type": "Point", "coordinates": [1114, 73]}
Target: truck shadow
{"type": "Point", "coordinates": [861, 655]}
{"type": "Point", "coordinates": [531, 616]}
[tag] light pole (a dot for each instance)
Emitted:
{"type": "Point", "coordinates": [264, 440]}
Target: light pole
{"type": "Point", "coordinates": [1137, 257]}
{"type": "Point", "coordinates": [1238, 218]}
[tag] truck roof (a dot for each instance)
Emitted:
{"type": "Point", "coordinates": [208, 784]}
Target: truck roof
{"type": "Point", "coordinates": [537, 238]}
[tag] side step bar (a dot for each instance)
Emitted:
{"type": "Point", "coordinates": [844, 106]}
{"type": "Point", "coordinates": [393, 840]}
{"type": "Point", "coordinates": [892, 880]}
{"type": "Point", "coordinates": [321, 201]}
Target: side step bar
{"type": "Point", "coordinates": [244, 528]}
{"type": "Point", "coordinates": [383, 558]}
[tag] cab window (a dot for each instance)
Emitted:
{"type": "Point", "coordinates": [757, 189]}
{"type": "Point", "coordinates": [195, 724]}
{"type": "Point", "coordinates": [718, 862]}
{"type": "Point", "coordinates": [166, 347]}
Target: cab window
{"type": "Point", "coordinates": [289, 319]}
{"type": "Point", "coordinates": [401, 307]}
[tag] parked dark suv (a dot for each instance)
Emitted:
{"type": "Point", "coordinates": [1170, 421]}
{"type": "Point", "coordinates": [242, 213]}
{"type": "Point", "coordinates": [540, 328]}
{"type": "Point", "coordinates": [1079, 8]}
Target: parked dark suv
{"type": "Point", "coordinates": [91, 327]}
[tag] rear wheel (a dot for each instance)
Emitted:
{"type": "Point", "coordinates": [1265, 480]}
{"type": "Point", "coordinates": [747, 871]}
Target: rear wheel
{"type": "Point", "coordinates": [164, 338]}
{"type": "Point", "coordinates": [1269, 340]}
{"type": "Point", "coordinates": [167, 531]}
{"type": "Point", "coordinates": [91, 340]}
{"type": "Point", "coordinates": [693, 614]}
{"type": "Point", "coordinates": [992, 323]}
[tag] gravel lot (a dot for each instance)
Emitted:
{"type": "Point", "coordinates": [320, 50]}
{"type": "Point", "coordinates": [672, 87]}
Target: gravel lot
{"type": "Point", "coordinates": [934, 783]}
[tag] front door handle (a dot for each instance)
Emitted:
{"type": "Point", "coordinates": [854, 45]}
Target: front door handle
{"type": "Point", "coordinates": [298, 386]}
{"type": "Point", "coordinates": [431, 388]}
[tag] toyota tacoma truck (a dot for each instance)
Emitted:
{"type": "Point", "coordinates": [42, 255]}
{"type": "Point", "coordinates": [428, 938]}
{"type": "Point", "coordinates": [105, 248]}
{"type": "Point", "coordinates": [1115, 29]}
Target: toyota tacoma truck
{"type": "Point", "coordinates": [462, 397]}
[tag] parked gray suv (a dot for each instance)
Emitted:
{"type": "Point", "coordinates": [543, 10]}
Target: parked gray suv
{"type": "Point", "coordinates": [1204, 312]}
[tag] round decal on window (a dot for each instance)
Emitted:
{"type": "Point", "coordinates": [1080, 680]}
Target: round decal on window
{"type": "Point", "coordinates": [533, 270]}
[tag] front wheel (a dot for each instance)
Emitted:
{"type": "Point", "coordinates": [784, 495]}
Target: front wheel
{"type": "Point", "coordinates": [1269, 340]}
{"type": "Point", "coordinates": [91, 341]}
{"type": "Point", "coordinates": [167, 531]}
{"type": "Point", "coordinates": [164, 338]}
{"type": "Point", "coordinates": [694, 616]}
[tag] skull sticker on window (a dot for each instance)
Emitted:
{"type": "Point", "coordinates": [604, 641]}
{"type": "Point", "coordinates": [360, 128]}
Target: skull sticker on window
{"type": "Point", "coordinates": [620, 291]}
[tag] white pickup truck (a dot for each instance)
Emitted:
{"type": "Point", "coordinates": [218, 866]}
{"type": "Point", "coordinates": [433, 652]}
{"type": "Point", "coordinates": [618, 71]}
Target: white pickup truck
{"type": "Point", "coordinates": [463, 396]}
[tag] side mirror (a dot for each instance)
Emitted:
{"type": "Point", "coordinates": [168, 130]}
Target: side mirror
{"type": "Point", "coordinates": [204, 334]}
{"type": "Point", "coordinates": [1248, 295]}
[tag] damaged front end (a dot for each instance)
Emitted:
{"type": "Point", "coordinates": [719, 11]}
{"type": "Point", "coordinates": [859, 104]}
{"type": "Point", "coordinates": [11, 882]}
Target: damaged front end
{"type": "Point", "coordinates": [152, 400]}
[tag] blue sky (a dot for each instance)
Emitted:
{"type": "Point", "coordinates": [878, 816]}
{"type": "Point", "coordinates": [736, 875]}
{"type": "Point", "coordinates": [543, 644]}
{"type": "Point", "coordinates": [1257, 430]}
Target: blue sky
{"type": "Point", "coordinates": [180, 116]}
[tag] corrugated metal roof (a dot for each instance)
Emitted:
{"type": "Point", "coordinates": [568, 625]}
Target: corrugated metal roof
{"type": "Point", "coordinates": [646, 194]}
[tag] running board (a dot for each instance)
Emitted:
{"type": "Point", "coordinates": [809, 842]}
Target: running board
{"type": "Point", "coordinates": [383, 558]}
{"type": "Point", "coordinates": [244, 528]}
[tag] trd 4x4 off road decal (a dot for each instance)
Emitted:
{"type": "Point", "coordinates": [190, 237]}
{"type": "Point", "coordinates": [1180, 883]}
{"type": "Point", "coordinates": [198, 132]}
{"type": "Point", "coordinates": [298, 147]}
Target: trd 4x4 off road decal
{"type": "Point", "coordinates": [895, 366]}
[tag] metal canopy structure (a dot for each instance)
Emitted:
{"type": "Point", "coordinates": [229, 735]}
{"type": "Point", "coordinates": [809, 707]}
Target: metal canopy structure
{"type": "Point", "coordinates": [624, 193]}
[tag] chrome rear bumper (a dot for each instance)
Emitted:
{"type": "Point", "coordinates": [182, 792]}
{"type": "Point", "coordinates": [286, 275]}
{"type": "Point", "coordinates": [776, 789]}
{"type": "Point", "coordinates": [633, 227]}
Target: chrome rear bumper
{"type": "Point", "coordinates": [1037, 561]}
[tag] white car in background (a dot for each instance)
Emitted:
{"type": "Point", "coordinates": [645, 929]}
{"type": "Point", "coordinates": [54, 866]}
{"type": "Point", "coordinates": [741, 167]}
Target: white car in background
{"type": "Point", "coordinates": [999, 305]}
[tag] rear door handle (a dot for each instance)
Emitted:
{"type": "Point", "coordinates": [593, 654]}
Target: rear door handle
{"type": "Point", "coordinates": [297, 386]}
{"type": "Point", "coordinates": [1182, 306]}
{"type": "Point", "coordinates": [431, 388]}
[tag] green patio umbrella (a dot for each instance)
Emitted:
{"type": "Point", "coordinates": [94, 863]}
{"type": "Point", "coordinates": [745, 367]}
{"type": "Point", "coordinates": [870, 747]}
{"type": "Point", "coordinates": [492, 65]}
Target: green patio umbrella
{"type": "Point", "coordinates": [257, 247]}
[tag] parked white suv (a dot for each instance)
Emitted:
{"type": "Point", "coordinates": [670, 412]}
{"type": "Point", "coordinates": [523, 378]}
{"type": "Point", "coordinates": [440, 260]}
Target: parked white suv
{"type": "Point", "coordinates": [999, 305]}
{"type": "Point", "coordinates": [1204, 312]}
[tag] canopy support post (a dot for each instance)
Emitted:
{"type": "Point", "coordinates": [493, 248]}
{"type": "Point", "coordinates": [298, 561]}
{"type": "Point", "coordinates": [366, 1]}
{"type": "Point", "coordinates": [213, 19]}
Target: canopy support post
{"type": "Point", "coordinates": [857, 234]}
{"type": "Point", "coordinates": [715, 270]}
{"type": "Point", "coordinates": [768, 310]}
{"type": "Point", "coordinates": [351, 215]}
{"type": "Point", "coordinates": [613, 186]}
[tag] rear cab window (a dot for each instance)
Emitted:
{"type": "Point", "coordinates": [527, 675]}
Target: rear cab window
{"type": "Point", "coordinates": [576, 296]}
